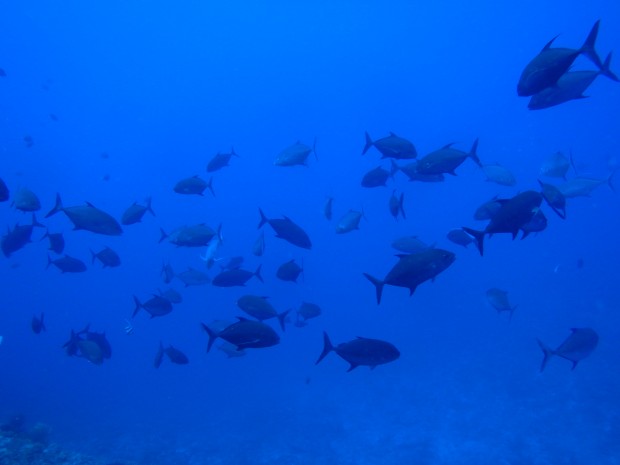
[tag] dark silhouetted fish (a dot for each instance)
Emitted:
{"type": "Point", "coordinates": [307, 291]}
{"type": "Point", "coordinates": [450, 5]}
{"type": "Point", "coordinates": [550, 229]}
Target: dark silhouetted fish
{"type": "Point", "coordinates": [289, 271]}
{"type": "Point", "coordinates": [107, 257]}
{"type": "Point", "coordinates": [296, 154]}
{"type": "Point", "coordinates": [410, 244]}
{"type": "Point", "coordinates": [410, 170]}
{"type": "Point", "coordinates": [26, 200]}
{"type": "Point", "coordinates": [259, 307]}
{"type": "Point", "coordinates": [306, 312]}
{"type": "Point", "coordinates": [287, 230]}
{"type": "Point", "coordinates": [155, 306]}
{"type": "Point", "coordinates": [258, 248]}
{"type": "Point", "coordinates": [446, 160]}
{"type": "Point", "coordinates": [512, 215]}
{"type": "Point", "coordinates": [198, 235]}
{"type": "Point", "coordinates": [349, 222]}
{"type": "Point", "coordinates": [460, 237]}
{"type": "Point", "coordinates": [391, 146]}
{"type": "Point", "coordinates": [92, 346]}
{"type": "Point", "coordinates": [413, 269]}
{"type": "Point", "coordinates": [550, 64]}
{"type": "Point", "coordinates": [499, 301]}
{"type": "Point", "coordinates": [136, 211]}
{"type": "Point", "coordinates": [555, 166]}
{"type": "Point", "coordinates": [172, 295]}
{"type": "Point", "coordinates": [193, 277]}
{"type": "Point", "coordinates": [327, 209]}
{"type": "Point", "coordinates": [377, 177]}
{"type": "Point", "coordinates": [570, 86]}
{"type": "Point", "coordinates": [580, 344]}
{"type": "Point", "coordinates": [554, 198]}
{"type": "Point", "coordinates": [167, 272]}
{"type": "Point", "coordinates": [583, 187]}
{"type": "Point", "coordinates": [236, 277]}
{"type": "Point", "coordinates": [537, 224]}
{"type": "Point", "coordinates": [18, 237]}
{"type": "Point", "coordinates": [244, 334]}
{"type": "Point", "coordinates": [88, 218]}
{"type": "Point", "coordinates": [38, 324]}
{"type": "Point", "coordinates": [488, 209]}
{"type": "Point", "coordinates": [220, 160]}
{"type": "Point", "coordinates": [56, 240]}
{"type": "Point", "coordinates": [231, 350]}
{"type": "Point", "coordinates": [67, 264]}
{"type": "Point", "coordinates": [361, 351]}
{"type": "Point", "coordinates": [194, 186]}
{"type": "Point", "coordinates": [499, 175]}
{"type": "Point", "coordinates": [232, 263]}
{"type": "Point", "coordinates": [174, 354]}
{"type": "Point", "coordinates": [396, 205]}
{"type": "Point", "coordinates": [4, 191]}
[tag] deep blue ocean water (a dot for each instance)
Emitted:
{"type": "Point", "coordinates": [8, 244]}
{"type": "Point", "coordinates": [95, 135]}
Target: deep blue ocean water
{"type": "Point", "coordinates": [161, 87]}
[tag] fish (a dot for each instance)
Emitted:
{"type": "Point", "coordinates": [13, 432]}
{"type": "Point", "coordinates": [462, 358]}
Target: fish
{"type": "Point", "coordinates": [159, 356]}
{"type": "Point", "coordinates": [171, 295]}
{"type": "Point", "coordinates": [570, 86]}
{"type": "Point", "coordinates": [306, 312]}
{"type": "Point", "coordinates": [28, 141]}
{"type": "Point", "coordinates": [546, 68]}
{"type": "Point", "coordinates": [167, 272]}
{"type": "Point", "coordinates": [198, 235]}
{"type": "Point", "coordinates": [510, 217]}
{"type": "Point", "coordinates": [244, 334]}
{"type": "Point", "coordinates": [498, 299]}
{"type": "Point", "coordinates": [90, 345]}
{"type": "Point", "coordinates": [26, 200]}
{"type": "Point", "coordinates": [577, 346]}
{"type": "Point", "coordinates": [410, 244]}
{"type": "Point", "coordinates": [194, 186]}
{"type": "Point", "coordinates": [583, 187]}
{"type": "Point", "coordinates": [232, 263]}
{"type": "Point", "coordinates": [555, 166]}
{"type": "Point", "coordinates": [38, 324]}
{"type": "Point", "coordinates": [296, 154]}
{"type": "Point", "coordinates": [460, 237]}
{"type": "Point", "coordinates": [391, 146]}
{"type": "Point", "coordinates": [259, 307]}
{"type": "Point", "coordinates": [88, 218]}
{"type": "Point", "coordinates": [349, 222]}
{"type": "Point", "coordinates": [377, 177]}
{"type": "Point", "coordinates": [537, 224]}
{"type": "Point", "coordinates": [327, 209]}
{"type": "Point", "coordinates": [499, 175]}
{"type": "Point", "coordinates": [361, 351]}
{"type": "Point", "coordinates": [210, 255]}
{"type": "Point", "coordinates": [107, 256]}
{"type": "Point", "coordinates": [446, 160]}
{"type": "Point", "coordinates": [258, 248]}
{"type": "Point", "coordinates": [287, 230]}
{"type": "Point", "coordinates": [5, 194]}
{"type": "Point", "coordinates": [135, 212]}
{"type": "Point", "coordinates": [128, 328]}
{"type": "Point", "coordinates": [488, 209]}
{"type": "Point", "coordinates": [155, 306]}
{"type": "Point", "coordinates": [554, 198]}
{"type": "Point", "coordinates": [410, 170]}
{"type": "Point", "coordinates": [193, 277]}
{"type": "Point", "coordinates": [220, 160]}
{"type": "Point", "coordinates": [231, 350]}
{"type": "Point", "coordinates": [67, 264]}
{"type": "Point", "coordinates": [173, 354]}
{"type": "Point", "coordinates": [56, 240]}
{"type": "Point", "coordinates": [236, 277]}
{"type": "Point", "coordinates": [395, 205]}
{"type": "Point", "coordinates": [411, 270]}
{"type": "Point", "coordinates": [289, 271]}
{"type": "Point", "coordinates": [16, 238]}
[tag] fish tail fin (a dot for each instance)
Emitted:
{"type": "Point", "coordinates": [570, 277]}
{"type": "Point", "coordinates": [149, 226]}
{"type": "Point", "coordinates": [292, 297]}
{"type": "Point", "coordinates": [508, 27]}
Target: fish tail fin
{"type": "Point", "coordinates": [316, 157]}
{"type": "Point", "coordinates": [263, 219]}
{"type": "Point", "coordinates": [547, 354]}
{"type": "Point", "coordinates": [49, 261]}
{"type": "Point", "coordinates": [369, 143]}
{"type": "Point", "coordinates": [163, 236]}
{"type": "Point", "coordinates": [606, 69]}
{"type": "Point", "coordinates": [148, 205]}
{"type": "Point", "coordinates": [233, 153]}
{"type": "Point", "coordinates": [394, 168]}
{"type": "Point", "coordinates": [212, 336]}
{"type": "Point", "coordinates": [610, 179]}
{"type": "Point", "coordinates": [473, 153]}
{"type": "Point", "coordinates": [57, 207]}
{"type": "Point", "coordinates": [93, 255]}
{"type": "Point", "coordinates": [210, 186]}
{"type": "Point", "coordinates": [282, 318]}
{"type": "Point", "coordinates": [159, 356]}
{"type": "Point", "coordinates": [478, 237]}
{"type": "Point", "coordinates": [401, 207]}
{"type": "Point", "coordinates": [258, 275]}
{"type": "Point", "coordinates": [378, 286]}
{"type": "Point", "coordinates": [588, 46]}
{"type": "Point", "coordinates": [327, 348]}
{"type": "Point", "coordinates": [35, 223]}
{"type": "Point", "coordinates": [138, 306]}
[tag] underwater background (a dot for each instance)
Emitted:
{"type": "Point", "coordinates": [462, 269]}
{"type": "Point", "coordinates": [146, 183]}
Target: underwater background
{"type": "Point", "coordinates": [114, 102]}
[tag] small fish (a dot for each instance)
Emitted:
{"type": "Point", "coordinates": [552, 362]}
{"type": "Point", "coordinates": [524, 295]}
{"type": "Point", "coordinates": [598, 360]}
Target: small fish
{"type": "Point", "coordinates": [258, 248]}
{"type": "Point", "coordinates": [56, 240]}
{"type": "Point", "coordinates": [555, 166]}
{"type": "Point", "coordinates": [361, 351]}
{"type": "Point", "coordinates": [327, 209]}
{"type": "Point", "coordinates": [167, 272]}
{"type": "Point", "coordinates": [391, 146]}
{"type": "Point", "coordinates": [498, 299]}
{"type": "Point", "coordinates": [296, 154]}
{"type": "Point", "coordinates": [194, 185]}
{"type": "Point", "coordinates": [220, 160]}
{"type": "Point", "coordinates": [67, 264]}
{"type": "Point", "coordinates": [577, 346]}
{"type": "Point", "coordinates": [499, 175]}
{"type": "Point", "coordinates": [107, 256]}
{"type": "Point", "coordinates": [135, 212]}
{"type": "Point", "coordinates": [460, 237]}
{"type": "Point", "coordinates": [289, 271]}
{"type": "Point", "coordinates": [396, 205]}
{"type": "Point", "coordinates": [37, 324]}
{"type": "Point", "coordinates": [155, 306]}
{"type": "Point", "coordinates": [128, 328]}
{"type": "Point", "coordinates": [210, 255]}
{"type": "Point", "coordinates": [349, 222]}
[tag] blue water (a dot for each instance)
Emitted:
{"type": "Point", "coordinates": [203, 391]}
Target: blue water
{"type": "Point", "coordinates": [162, 87]}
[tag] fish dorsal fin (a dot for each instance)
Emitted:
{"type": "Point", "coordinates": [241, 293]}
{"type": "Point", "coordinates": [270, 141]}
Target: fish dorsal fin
{"type": "Point", "coordinates": [90, 205]}
{"type": "Point", "coordinates": [402, 255]}
{"type": "Point", "coordinates": [242, 318]}
{"type": "Point", "coordinates": [447, 146]}
{"type": "Point", "coordinates": [352, 367]}
{"type": "Point", "coordinates": [548, 45]}
{"type": "Point", "coordinates": [392, 134]}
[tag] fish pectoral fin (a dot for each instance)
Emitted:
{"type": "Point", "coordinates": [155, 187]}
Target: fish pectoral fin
{"type": "Point", "coordinates": [412, 290]}
{"type": "Point", "coordinates": [353, 366]}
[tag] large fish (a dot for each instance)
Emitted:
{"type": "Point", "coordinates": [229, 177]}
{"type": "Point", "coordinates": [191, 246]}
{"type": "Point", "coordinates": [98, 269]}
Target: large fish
{"type": "Point", "coordinates": [395, 205]}
{"type": "Point", "coordinates": [194, 186]}
{"type": "Point", "coordinates": [88, 218]}
{"type": "Point", "coordinates": [446, 160]}
{"type": "Point", "coordinates": [260, 308]}
{"type": "Point", "coordinates": [289, 271]}
{"type": "Point", "coordinates": [555, 166]}
{"type": "Point", "coordinates": [391, 146]}
{"type": "Point", "coordinates": [220, 160]}
{"type": "Point", "coordinates": [498, 299]}
{"type": "Point", "coordinates": [296, 154]}
{"type": "Point", "coordinates": [244, 334]}
{"type": "Point", "coordinates": [377, 177]}
{"type": "Point", "coordinates": [577, 346]}
{"type": "Point", "coordinates": [287, 230]}
{"type": "Point", "coordinates": [411, 270]}
{"type": "Point", "coordinates": [570, 86]}
{"type": "Point", "coordinates": [361, 351]}
{"type": "Point", "coordinates": [26, 200]}
{"type": "Point", "coordinates": [67, 264]}
{"type": "Point", "coordinates": [236, 277]}
{"type": "Point", "coordinates": [306, 312]}
{"type": "Point", "coordinates": [107, 257]}
{"type": "Point", "coordinates": [350, 221]}
{"type": "Point", "coordinates": [18, 237]}
{"type": "Point", "coordinates": [155, 306]}
{"type": "Point", "coordinates": [198, 235]}
{"type": "Point", "coordinates": [136, 211]}
{"type": "Point", "coordinates": [56, 240]}
{"type": "Point", "coordinates": [550, 64]}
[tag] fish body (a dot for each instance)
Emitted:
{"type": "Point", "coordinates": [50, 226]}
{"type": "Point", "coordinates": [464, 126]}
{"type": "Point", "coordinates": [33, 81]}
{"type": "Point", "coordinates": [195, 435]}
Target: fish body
{"type": "Point", "coordinates": [244, 334]}
{"type": "Point", "coordinates": [236, 277]}
{"type": "Point", "coordinates": [173, 296]}
{"type": "Point", "coordinates": [167, 272]}
{"type": "Point", "coordinates": [286, 229]}
{"type": "Point", "coordinates": [56, 240]}
{"type": "Point", "coordinates": [5, 194]}
{"type": "Point", "coordinates": [349, 222]}
{"type": "Point", "coordinates": [88, 218]}
{"type": "Point", "coordinates": [193, 277]}
{"type": "Point", "coordinates": [18, 237]}
{"type": "Point", "coordinates": [289, 271]}
{"type": "Point", "coordinates": [135, 212]}
{"type": "Point", "coordinates": [26, 200]}
{"type": "Point", "coordinates": [155, 306]}
{"type": "Point", "coordinates": [107, 256]}
{"type": "Point", "coordinates": [220, 160]}
{"type": "Point", "coordinates": [376, 177]}
{"type": "Point", "coordinates": [38, 324]}
{"type": "Point", "coordinates": [577, 346]}
{"type": "Point", "coordinates": [391, 146]}
{"type": "Point", "coordinates": [361, 351]}
{"type": "Point", "coordinates": [306, 312]}
{"type": "Point", "coordinates": [258, 248]}
{"type": "Point", "coordinates": [582, 186]}
{"type": "Point", "coordinates": [194, 186]}
{"type": "Point", "coordinates": [67, 264]}
{"type": "Point", "coordinates": [555, 166]}
{"type": "Point", "coordinates": [499, 175]}
{"type": "Point", "coordinates": [395, 205]}
{"type": "Point", "coordinates": [198, 235]}
{"type": "Point", "coordinates": [498, 299]}
{"type": "Point", "coordinates": [460, 237]}
{"type": "Point", "coordinates": [296, 154]}
{"type": "Point", "coordinates": [446, 160]}
{"type": "Point", "coordinates": [259, 307]}
{"type": "Point", "coordinates": [554, 198]}
{"type": "Point", "coordinates": [410, 244]}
